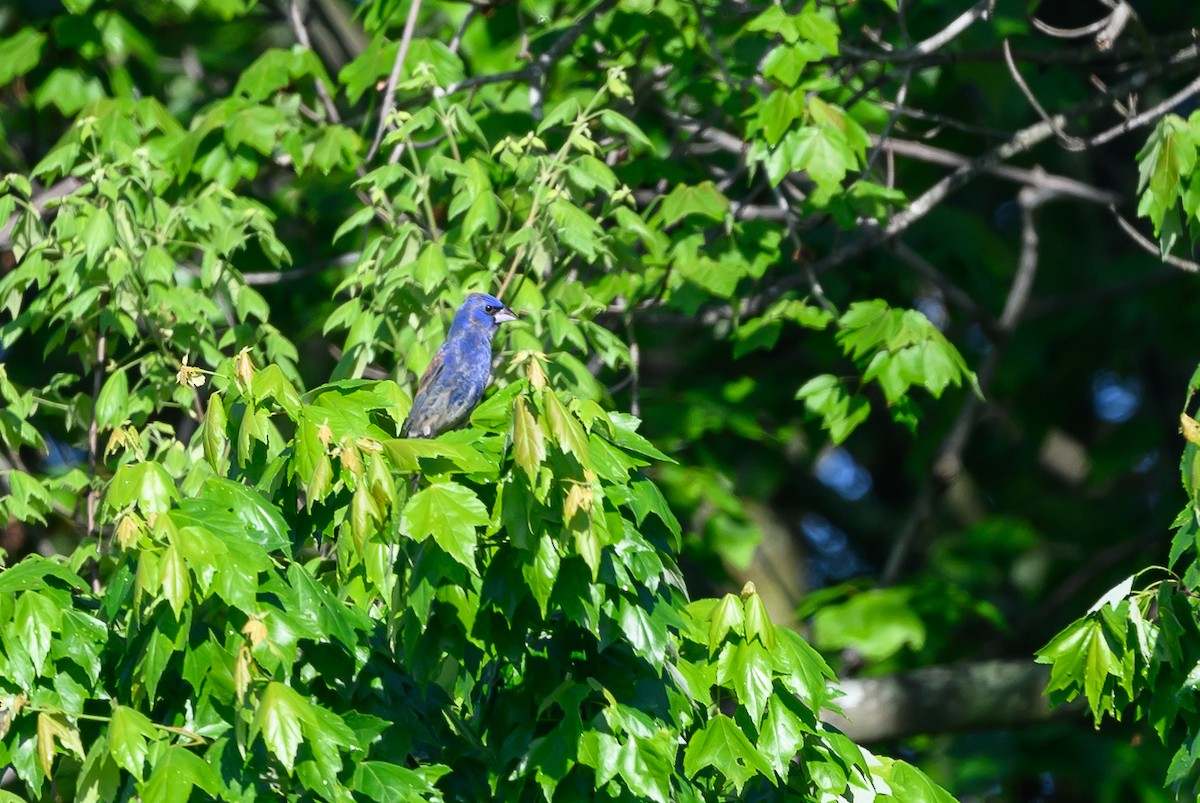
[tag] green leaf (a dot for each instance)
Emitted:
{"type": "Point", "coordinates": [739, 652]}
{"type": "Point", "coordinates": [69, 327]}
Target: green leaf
{"type": "Point", "coordinates": [391, 783]}
{"type": "Point", "coordinates": [278, 717]}
{"type": "Point", "coordinates": [110, 404]}
{"type": "Point", "coordinates": [726, 616]}
{"type": "Point", "coordinates": [255, 126]}
{"type": "Point", "coordinates": [175, 774]}
{"type": "Point", "coordinates": [719, 278]}
{"type": "Point", "coordinates": [566, 430]}
{"type": "Point", "coordinates": [623, 125]}
{"type": "Point", "coordinates": [645, 631]}
{"type": "Point", "coordinates": [645, 499]}
{"type": "Point", "coordinates": [747, 668]}
{"type": "Point", "coordinates": [271, 383]}
{"type": "Point", "coordinates": [97, 235]}
{"type": "Point", "coordinates": [225, 505]}
{"type": "Point", "coordinates": [877, 622]}
{"type": "Point", "coordinates": [814, 26]}
{"type": "Point", "coordinates": [30, 500]}
{"type": "Point", "coordinates": [215, 437]}
{"type": "Point", "coordinates": [529, 442]}
{"type": "Point", "coordinates": [338, 146]}
{"type": "Point", "coordinates": [36, 619]}
{"type": "Point", "coordinates": [450, 513]}
{"type": "Point", "coordinates": [758, 622]}
{"type": "Point", "coordinates": [20, 53]}
{"type": "Point", "coordinates": [720, 744]}
{"type": "Point", "coordinates": [777, 113]}
{"type": "Point", "coordinates": [909, 784]}
{"type": "Point", "coordinates": [646, 765]}
{"type": "Point", "coordinates": [176, 582]}
{"type": "Point", "coordinates": [576, 228]}
{"type": "Point", "coordinates": [430, 268]}
{"type": "Point", "coordinates": [541, 571]}
{"type": "Point", "coordinates": [128, 733]}
{"type": "Point", "coordinates": [781, 735]}
{"type": "Point", "coordinates": [703, 199]}
{"type": "Point", "coordinates": [33, 573]}
{"type": "Point", "coordinates": [1169, 154]}
{"type": "Point", "coordinates": [147, 486]}
{"type": "Point", "coordinates": [824, 152]}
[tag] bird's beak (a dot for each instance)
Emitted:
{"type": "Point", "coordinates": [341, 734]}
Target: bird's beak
{"type": "Point", "coordinates": [504, 315]}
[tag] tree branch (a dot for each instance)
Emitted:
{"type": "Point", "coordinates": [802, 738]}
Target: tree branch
{"type": "Point", "coordinates": [933, 43]}
{"type": "Point", "coordinates": [1022, 141]}
{"type": "Point", "coordinates": [947, 464]}
{"type": "Point", "coordinates": [57, 191]}
{"type": "Point", "coordinates": [541, 65]}
{"type": "Point", "coordinates": [1153, 113]}
{"type": "Point", "coordinates": [296, 18]}
{"type": "Point", "coordinates": [1140, 239]}
{"type": "Point", "coordinates": [944, 699]}
{"type": "Point", "coordinates": [389, 93]}
{"type": "Point", "coordinates": [1036, 177]}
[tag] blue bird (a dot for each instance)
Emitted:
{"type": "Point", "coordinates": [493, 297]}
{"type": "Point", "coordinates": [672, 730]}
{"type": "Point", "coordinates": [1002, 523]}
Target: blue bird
{"type": "Point", "coordinates": [459, 373]}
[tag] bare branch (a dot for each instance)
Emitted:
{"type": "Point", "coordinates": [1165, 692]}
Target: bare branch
{"type": "Point", "coordinates": [1121, 15]}
{"type": "Point", "coordinates": [933, 43]}
{"type": "Point", "coordinates": [954, 294]}
{"type": "Point", "coordinates": [1067, 141]}
{"type": "Point", "coordinates": [1022, 141]}
{"type": "Point", "coordinates": [541, 65]}
{"type": "Point", "coordinates": [1072, 33]}
{"type": "Point", "coordinates": [93, 443]}
{"type": "Point", "coordinates": [389, 93]}
{"type": "Point", "coordinates": [947, 465]}
{"type": "Point", "coordinates": [1036, 177]}
{"type": "Point", "coordinates": [814, 284]}
{"type": "Point", "coordinates": [1146, 245]}
{"type": "Point", "coordinates": [462, 28]}
{"type": "Point", "coordinates": [40, 201]}
{"type": "Point", "coordinates": [942, 699]}
{"type": "Point", "coordinates": [266, 277]}
{"type": "Point", "coordinates": [296, 18]}
{"type": "Point", "coordinates": [1151, 114]}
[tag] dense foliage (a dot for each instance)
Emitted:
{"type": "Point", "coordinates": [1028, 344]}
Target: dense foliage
{"type": "Point", "coordinates": [232, 237]}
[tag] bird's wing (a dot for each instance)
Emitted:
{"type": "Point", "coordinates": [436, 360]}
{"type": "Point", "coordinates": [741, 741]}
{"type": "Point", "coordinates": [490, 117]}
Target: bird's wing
{"type": "Point", "coordinates": [436, 366]}
{"type": "Point", "coordinates": [421, 409]}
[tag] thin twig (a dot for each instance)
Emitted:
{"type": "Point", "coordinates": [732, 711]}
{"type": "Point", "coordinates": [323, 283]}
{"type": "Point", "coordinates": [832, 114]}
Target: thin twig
{"type": "Point", "coordinates": [933, 43]}
{"type": "Point", "coordinates": [1135, 235]}
{"type": "Point", "coordinates": [634, 367]}
{"type": "Point", "coordinates": [954, 294]}
{"type": "Point", "coordinates": [947, 465]}
{"type": "Point", "coordinates": [389, 93]}
{"type": "Point", "coordinates": [1067, 141]}
{"type": "Point", "coordinates": [1072, 33]}
{"type": "Point", "coordinates": [814, 284]}
{"type": "Point", "coordinates": [40, 201]}
{"type": "Point", "coordinates": [542, 64]}
{"type": "Point", "coordinates": [901, 96]}
{"type": "Point", "coordinates": [943, 121]}
{"type": "Point", "coordinates": [93, 441]}
{"type": "Point", "coordinates": [922, 205]}
{"type": "Point", "coordinates": [268, 277]}
{"type": "Point", "coordinates": [456, 41]}
{"type": "Point", "coordinates": [1150, 114]}
{"type": "Point", "coordinates": [1036, 177]}
{"type": "Point", "coordinates": [301, 32]}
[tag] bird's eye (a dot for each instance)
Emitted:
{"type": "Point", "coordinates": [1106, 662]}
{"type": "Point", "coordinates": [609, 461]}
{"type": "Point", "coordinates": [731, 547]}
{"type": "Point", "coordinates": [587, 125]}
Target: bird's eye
{"type": "Point", "coordinates": [490, 309]}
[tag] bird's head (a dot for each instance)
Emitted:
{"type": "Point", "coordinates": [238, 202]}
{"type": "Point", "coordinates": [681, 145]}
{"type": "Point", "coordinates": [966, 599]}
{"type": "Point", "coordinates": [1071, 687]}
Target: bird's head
{"type": "Point", "coordinates": [484, 311]}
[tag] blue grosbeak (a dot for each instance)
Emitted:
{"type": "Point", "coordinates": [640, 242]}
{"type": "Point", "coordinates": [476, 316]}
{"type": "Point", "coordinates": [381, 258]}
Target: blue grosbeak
{"type": "Point", "coordinates": [459, 373]}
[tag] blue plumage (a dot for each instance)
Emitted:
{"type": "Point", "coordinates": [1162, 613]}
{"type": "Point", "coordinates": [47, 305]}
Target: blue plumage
{"type": "Point", "coordinates": [456, 378]}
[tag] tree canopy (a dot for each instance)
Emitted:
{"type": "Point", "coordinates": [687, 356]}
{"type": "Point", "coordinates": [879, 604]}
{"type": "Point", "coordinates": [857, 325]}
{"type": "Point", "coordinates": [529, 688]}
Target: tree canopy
{"type": "Point", "coordinates": [840, 424]}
